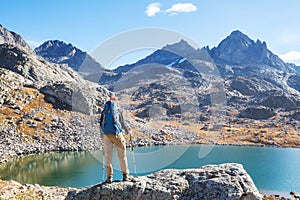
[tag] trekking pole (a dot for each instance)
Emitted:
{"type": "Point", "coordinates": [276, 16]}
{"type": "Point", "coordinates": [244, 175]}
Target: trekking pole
{"type": "Point", "coordinates": [103, 153]}
{"type": "Point", "coordinates": [133, 157]}
{"type": "Point", "coordinates": [102, 149]}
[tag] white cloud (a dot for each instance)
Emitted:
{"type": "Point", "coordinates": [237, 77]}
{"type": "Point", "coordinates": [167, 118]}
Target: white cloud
{"type": "Point", "coordinates": [152, 9]}
{"type": "Point", "coordinates": [291, 57]}
{"type": "Point", "coordinates": [181, 7]}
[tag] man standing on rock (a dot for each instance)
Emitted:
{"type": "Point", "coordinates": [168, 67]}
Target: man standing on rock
{"type": "Point", "coordinates": [111, 123]}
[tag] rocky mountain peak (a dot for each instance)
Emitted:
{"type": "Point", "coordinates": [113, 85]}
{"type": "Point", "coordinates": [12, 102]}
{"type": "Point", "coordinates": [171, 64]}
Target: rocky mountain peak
{"type": "Point", "coordinates": [59, 52]}
{"type": "Point", "coordinates": [14, 39]}
{"type": "Point", "coordinates": [235, 48]}
{"type": "Point", "coordinates": [171, 55]}
{"type": "Point", "coordinates": [237, 39]}
{"type": "Point", "coordinates": [56, 48]}
{"type": "Point", "coordinates": [240, 39]}
{"type": "Point", "coordinates": [181, 46]}
{"type": "Point", "coordinates": [239, 49]}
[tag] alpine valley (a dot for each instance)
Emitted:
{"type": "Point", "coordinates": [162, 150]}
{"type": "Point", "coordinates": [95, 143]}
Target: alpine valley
{"type": "Point", "coordinates": [238, 93]}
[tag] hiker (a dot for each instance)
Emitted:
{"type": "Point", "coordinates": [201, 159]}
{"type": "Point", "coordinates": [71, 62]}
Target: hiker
{"type": "Point", "coordinates": [112, 123]}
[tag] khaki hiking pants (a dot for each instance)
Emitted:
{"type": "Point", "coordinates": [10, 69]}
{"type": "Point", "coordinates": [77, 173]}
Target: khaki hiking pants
{"type": "Point", "coordinates": [117, 141]}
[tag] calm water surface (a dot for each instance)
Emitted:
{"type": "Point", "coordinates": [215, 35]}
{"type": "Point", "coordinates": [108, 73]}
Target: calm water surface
{"type": "Point", "coordinates": [273, 169]}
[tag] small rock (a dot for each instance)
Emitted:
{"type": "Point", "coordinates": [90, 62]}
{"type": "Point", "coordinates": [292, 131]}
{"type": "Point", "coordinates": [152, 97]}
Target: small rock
{"type": "Point", "coordinates": [39, 119]}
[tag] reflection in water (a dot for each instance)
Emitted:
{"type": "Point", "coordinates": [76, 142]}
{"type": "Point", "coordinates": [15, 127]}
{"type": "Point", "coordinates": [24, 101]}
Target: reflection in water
{"type": "Point", "coordinates": [42, 168]}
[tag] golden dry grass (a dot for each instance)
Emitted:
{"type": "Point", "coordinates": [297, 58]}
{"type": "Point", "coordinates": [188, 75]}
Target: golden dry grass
{"type": "Point", "coordinates": [257, 133]}
{"type": "Point", "coordinates": [246, 133]}
{"type": "Point", "coordinates": [37, 106]}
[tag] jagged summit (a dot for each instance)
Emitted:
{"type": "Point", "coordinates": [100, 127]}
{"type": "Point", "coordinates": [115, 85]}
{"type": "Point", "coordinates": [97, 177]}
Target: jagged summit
{"type": "Point", "coordinates": [182, 48]}
{"type": "Point", "coordinates": [59, 52]}
{"type": "Point", "coordinates": [239, 49]}
{"type": "Point", "coordinates": [13, 38]}
{"type": "Point", "coordinates": [181, 43]}
{"type": "Point", "coordinates": [56, 47]}
{"type": "Point", "coordinates": [171, 55]}
{"type": "Point", "coordinates": [240, 37]}
{"type": "Point", "coordinates": [241, 40]}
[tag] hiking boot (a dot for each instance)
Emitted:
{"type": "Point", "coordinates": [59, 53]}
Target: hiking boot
{"type": "Point", "coordinates": [126, 177]}
{"type": "Point", "coordinates": [109, 180]}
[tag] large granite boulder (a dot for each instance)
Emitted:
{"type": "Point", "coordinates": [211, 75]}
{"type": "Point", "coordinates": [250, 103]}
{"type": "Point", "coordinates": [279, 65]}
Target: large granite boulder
{"type": "Point", "coordinates": [87, 99]}
{"type": "Point", "coordinates": [226, 181]}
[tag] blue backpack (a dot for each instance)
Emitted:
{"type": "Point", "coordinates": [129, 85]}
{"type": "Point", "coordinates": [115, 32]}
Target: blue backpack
{"type": "Point", "coordinates": [109, 121]}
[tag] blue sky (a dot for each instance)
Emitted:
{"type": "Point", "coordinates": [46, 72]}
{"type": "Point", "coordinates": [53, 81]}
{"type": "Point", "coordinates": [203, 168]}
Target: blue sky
{"type": "Point", "coordinates": [88, 23]}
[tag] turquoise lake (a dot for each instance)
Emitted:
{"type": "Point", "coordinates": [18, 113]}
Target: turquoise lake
{"type": "Point", "coordinates": [272, 169]}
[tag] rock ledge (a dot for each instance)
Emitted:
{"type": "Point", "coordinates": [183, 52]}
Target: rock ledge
{"type": "Point", "coordinates": [226, 181]}
{"type": "Point", "coordinates": [212, 182]}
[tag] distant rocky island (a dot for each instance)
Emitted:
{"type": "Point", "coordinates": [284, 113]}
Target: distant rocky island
{"type": "Point", "coordinates": [238, 93]}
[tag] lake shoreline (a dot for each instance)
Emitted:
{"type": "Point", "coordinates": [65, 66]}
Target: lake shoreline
{"type": "Point", "coordinates": [8, 158]}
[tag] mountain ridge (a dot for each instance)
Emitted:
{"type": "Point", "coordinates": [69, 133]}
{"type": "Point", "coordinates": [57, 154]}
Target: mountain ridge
{"type": "Point", "coordinates": [253, 75]}
{"type": "Point", "coordinates": [13, 38]}
{"type": "Point", "coordinates": [235, 49]}
{"type": "Point", "coordinates": [59, 52]}
{"type": "Point", "coordinates": [236, 55]}
{"type": "Point", "coordinates": [239, 49]}
{"type": "Point", "coordinates": [178, 84]}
